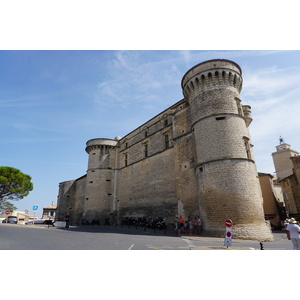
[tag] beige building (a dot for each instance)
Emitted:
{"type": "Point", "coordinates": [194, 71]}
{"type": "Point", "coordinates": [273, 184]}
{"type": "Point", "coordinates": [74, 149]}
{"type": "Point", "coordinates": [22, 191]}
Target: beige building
{"type": "Point", "coordinates": [287, 165]}
{"type": "Point", "coordinates": [49, 211]}
{"type": "Point", "coordinates": [194, 158]}
{"type": "Point", "coordinates": [281, 159]}
{"type": "Point", "coordinates": [273, 202]}
{"type": "Point", "coordinates": [21, 215]}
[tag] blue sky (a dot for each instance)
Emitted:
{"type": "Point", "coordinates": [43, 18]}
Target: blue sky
{"type": "Point", "coordinates": [53, 102]}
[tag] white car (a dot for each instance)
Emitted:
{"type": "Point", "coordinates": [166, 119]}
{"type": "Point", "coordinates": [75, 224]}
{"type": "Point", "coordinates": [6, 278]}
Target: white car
{"type": "Point", "coordinates": [40, 221]}
{"type": "Point", "coordinates": [37, 221]}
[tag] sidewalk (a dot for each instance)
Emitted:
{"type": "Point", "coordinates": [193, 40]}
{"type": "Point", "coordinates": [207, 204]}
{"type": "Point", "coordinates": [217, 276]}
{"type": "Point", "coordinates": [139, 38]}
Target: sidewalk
{"type": "Point", "coordinates": [217, 243]}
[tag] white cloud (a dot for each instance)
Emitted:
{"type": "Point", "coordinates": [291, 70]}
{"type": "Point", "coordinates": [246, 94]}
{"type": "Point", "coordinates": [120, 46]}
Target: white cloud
{"type": "Point", "coordinates": [271, 81]}
{"type": "Point", "coordinates": [273, 95]}
{"type": "Point", "coordinates": [137, 76]}
{"type": "Point", "coordinates": [187, 56]}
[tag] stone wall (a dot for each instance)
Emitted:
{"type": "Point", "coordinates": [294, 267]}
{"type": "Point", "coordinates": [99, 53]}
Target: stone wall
{"type": "Point", "coordinates": [194, 158]}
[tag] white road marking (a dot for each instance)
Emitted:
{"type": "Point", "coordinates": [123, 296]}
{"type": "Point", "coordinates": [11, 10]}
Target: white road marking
{"type": "Point", "coordinates": [131, 247]}
{"type": "Point", "coordinates": [189, 243]}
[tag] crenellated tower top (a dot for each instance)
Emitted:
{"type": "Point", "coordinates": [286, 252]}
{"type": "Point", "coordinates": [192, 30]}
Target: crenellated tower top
{"type": "Point", "coordinates": [100, 143]}
{"type": "Point", "coordinates": [211, 74]}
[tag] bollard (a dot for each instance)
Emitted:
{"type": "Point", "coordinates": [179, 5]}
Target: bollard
{"type": "Point", "coordinates": [261, 246]}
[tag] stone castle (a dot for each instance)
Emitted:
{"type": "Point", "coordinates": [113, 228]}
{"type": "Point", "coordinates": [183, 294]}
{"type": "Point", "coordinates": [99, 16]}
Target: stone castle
{"type": "Point", "coordinates": [194, 158]}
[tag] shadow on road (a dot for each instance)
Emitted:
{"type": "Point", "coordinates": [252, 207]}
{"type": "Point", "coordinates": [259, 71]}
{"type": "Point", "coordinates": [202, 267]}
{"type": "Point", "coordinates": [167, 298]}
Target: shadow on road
{"type": "Point", "coordinates": [122, 230]}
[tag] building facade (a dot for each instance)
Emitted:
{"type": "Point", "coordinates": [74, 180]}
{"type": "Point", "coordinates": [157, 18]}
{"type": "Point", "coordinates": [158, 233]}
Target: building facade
{"type": "Point", "coordinates": [273, 202]}
{"type": "Point", "coordinates": [194, 158]}
{"type": "Point", "coordinates": [49, 212]}
{"type": "Point", "coordinates": [287, 166]}
{"type": "Point", "coordinates": [23, 216]}
{"type": "Point", "coordinates": [281, 159]}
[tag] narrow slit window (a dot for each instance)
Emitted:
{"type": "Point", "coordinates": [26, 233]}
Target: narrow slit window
{"type": "Point", "coordinates": [167, 141]}
{"type": "Point", "coordinates": [247, 147]}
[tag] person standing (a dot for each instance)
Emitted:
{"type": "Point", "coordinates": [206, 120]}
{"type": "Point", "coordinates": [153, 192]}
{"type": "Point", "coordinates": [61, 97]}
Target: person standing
{"type": "Point", "coordinates": [199, 225]}
{"type": "Point", "coordinates": [181, 221]}
{"type": "Point", "coordinates": [294, 229]}
{"type": "Point", "coordinates": [190, 224]}
{"type": "Point", "coordinates": [67, 219]}
{"type": "Point", "coordinates": [177, 226]}
{"type": "Point", "coordinates": [195, 225]}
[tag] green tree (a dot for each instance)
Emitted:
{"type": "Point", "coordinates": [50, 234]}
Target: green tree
{"type": "Point", "coordinates": [14, 184]}
{"type": "Point", "coordinates": [5, 205]}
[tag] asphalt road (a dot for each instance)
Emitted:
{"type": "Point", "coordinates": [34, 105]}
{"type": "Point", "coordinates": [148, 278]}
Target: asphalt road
{"type": "Point", "coordinates": [22, 237]}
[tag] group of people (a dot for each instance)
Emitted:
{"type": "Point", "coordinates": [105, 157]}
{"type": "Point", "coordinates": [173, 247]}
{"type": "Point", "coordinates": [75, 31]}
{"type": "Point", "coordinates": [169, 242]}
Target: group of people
{"type": "Point", "coordinates": [191, 225]}
{"type": "Point", "coordinates": [293, 232]}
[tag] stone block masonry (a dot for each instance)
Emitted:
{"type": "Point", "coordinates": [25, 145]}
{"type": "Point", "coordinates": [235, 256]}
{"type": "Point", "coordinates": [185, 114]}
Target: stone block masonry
{"type": "Point", "coordinates": [194, 158]}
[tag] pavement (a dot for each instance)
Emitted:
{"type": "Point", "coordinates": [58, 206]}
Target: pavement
{"type": "Point", "coordinates": [200, 242]}
{"type": "Point", "coordinates": [217, 243]}
{"type": "Point", "coordinates": [194, 242]}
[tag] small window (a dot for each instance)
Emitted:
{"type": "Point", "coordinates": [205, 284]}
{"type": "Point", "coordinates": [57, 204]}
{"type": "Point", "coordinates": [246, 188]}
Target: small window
{"type": "Point", "coordinates": [247, 147]}
{"type": "Point", "coordinates": [146, 150]}
{"type": "Point", "coordinates": [166, 122]}
{"type": "Point", "coordinates": [220, 118]}
{"type": "Point", "coordinates": [126, 159]}
{"type": "Point", "coordinates": [167, 142]}
{"type": "Point", "coordinates": [146, 134]}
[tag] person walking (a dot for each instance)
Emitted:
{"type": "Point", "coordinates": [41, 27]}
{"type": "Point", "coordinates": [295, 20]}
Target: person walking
{"type": "Point", "coordinates": [67, 219]}
{"type": "Point", "coordinates": [294, 231]}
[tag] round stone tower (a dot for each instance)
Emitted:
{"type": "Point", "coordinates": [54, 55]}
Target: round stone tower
{"type": "Point", "coordinates": [228, 187]}
{"type": "Point", "coordinates": [99, 193]}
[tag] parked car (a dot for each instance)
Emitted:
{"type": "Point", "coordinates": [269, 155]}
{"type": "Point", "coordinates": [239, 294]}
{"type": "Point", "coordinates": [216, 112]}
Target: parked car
{"type": "Point", "coordinates": [12, 219]}
{"type": "Point", "coordinates": [37, 221]}
{"type": "Point", "coordinates": [40, 221]}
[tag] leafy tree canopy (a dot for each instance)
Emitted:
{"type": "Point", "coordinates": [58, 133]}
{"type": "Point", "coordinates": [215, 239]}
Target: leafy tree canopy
{"type": "Point", "coordinates": [14, 184]}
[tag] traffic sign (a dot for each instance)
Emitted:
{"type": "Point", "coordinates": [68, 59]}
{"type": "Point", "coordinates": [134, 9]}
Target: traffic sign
{"type": "Point", "coordinates": [35, 207]}
{"type": "Point", "coordinates": [228, 223]}
{"type": "Point", "coordinates": [228, 233]}
{"type": "Point", "coordinates": [7, 212]}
